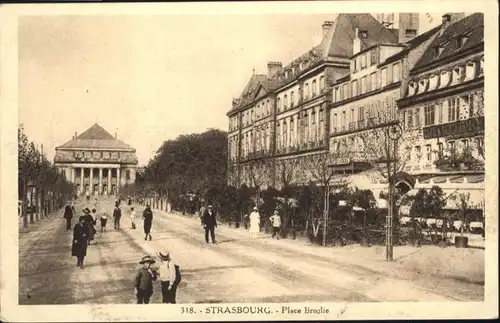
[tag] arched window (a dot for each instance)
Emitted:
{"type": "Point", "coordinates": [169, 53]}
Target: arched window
{"type": "Point", "coordinates": [444, 79]}
{"type": "Point", "coordinates": [470, 70]}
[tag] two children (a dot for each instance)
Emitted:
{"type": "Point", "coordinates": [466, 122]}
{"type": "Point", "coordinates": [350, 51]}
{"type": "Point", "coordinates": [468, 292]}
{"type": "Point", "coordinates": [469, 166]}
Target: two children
{"type": "Point", "coordinates": [168, 272]}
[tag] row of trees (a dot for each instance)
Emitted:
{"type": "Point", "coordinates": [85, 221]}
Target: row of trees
{"type": "Point", "coordinates": [41, 187]}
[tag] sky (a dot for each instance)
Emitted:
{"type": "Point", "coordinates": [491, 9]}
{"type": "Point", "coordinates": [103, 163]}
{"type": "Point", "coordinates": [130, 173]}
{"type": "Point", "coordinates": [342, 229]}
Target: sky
{"type": "Point", "coordinates": [148, 78]}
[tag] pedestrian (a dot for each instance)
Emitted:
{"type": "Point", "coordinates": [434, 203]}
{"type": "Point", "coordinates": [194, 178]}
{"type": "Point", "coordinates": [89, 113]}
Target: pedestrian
{"type": "Point", "coordinates": [132, 217]}
{"type": "Point", "coordinates": [170, 277]}
{"type": "Point", "coordinates": [73, 207]}
{"type": "Point", "coordinates": [88, 195]}
{"type": "Point", "coordinates": [95, 203]}
{"type": "Point", "coordinates": [117, 214]}
{"type": "Point", "coordinates": [129, 201]}
{"type": "Point", "coordinates": [89, 223]}
{"type": "Point", "coordinates": [276, 223]}
{"type": "Point", "coordinates": [144, 280]}
{"type": "Point", "coordinates": [254, 217]}
{"type": "Point", "coordinates": [202, 211]}
{"type": "Point", "coordinates": [93, 224]}
{"type": "Point", "coordinates": [80, 240]}
{"type": "Point", "coordinates": [104, 219]}
{"type": "Point", "coordinates": [147, 215]}
{"type": "Point", "coordinates": [68, 215]}
{"type": "Point", "coordinates": [209, 223]}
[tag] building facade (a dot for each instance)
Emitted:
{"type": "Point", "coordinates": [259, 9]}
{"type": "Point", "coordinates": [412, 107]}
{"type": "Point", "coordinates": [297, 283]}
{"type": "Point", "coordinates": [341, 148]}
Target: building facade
{"type": "Point", "coordinates": [97, 162]}
{"type": "Point", "coordinates": [284, 115]}
{"type": "Point", "coordinates": [444, 100]}
{"type": "Point", "coordinates": [367, 76]}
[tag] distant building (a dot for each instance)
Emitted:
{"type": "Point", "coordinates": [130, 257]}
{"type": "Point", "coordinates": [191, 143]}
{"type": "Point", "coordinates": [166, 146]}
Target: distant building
{"type": "Point", "coordinates": [97, 162]}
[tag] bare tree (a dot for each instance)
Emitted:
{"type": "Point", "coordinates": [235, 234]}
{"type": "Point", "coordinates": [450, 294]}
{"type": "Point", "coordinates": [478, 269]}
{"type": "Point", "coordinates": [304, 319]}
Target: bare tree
{"type": "Point", "coordinates": [259, 171]}
{"type": "Point", "coordinates": [320, 167]}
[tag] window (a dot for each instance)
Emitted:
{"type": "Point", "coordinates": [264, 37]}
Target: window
{"type": "Point", "coordinates": [343, 121]}
{"type": "Point", "coordinates": [278, 135]}
{"type": "Point", "coordinates": [292, 99]}
{"type": "Point", "coordinates": [453, 109]}
{"type": "Point", "coordinates": [352, 115]}
{"type": "Point", "coordinates": [395, 73]}
{"type": "Point", "coordinates": [363, 61]}
{"type": "Point", "coordinates": [363, 85]}
{"type": "Point", "coordinates": [465, 144]}
{"type": "Point", "coordinates": [440, 112]}
{"type": "Point", "coordinates": [334, 123]}
{"type": "Point", "coordinates": [445, 79]}
{"type": "Point", "coordinates": [279, 104]}
{"type": "Point", "coordinates": [306, 90]}
{"type": "Point", "coordinates": [373, 81]}
{"type": "Point", "coordinates": [433, 81]}
{"type": "Point", "coordinates": [322, 83]}
{"type": "Point", "coordinates": [451, 147]}
{"type": "Point", "coordinates": [291, 130]}
{"type": "Point", "coordinates": [457, 73]}
{"type": "Point", "coordinates": [422, 86]}
{"type": "Point", "coordinates": [314, 88]}
{"type": "Point", "coordinates": [336, 97]}
{"type": "Point", "coordinates": [346, 92]}
{"type": "Point", "coordinates": [481, 66]}
{"type": "Point", "coordinates": [354, 64]}
{"type": "Point", "coordinates": [313, 117]}
{"type": "Point", "coordinates": [462, 40]}
{"type": "Point", "coordinates": [285, 102]}
{"type": "Point", "coordinates": [418, 152]}
{"type": "Point", "coordinates": [354, 90]}
{"type": "Point", "coordinates": [285, 137]}
{"type": "Point", "coordinates": [429, 112]}
{"type": "Point", "coordinates": [373, 57]}
{"type": "Point", "coordinates": [417, 118]}
{"type": "Point", "coordinates": [470, 70]}
{"type": "Point", "coordinates": [428, 152]}
{"type": "Point", "coordinates": [383, 77]}
{"type": "Point", "coordinates": [409, 120]}
{"type": "Point", "coordinates": [412, 88]}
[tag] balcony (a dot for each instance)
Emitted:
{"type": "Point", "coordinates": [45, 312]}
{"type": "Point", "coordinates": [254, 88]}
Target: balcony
{"type": "Point", "coordinates": [361, 124]}
{"type": "Point", "coordinates": [352, 126]}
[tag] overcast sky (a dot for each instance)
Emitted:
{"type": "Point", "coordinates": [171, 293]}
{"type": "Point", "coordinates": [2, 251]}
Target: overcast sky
{"type": "Point", "coordinates": [151, 78]}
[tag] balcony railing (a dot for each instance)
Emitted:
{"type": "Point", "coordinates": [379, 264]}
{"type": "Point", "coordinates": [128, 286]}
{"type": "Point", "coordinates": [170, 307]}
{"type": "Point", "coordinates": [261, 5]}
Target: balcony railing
{"type": "Point", "coordinates": [352, 126]}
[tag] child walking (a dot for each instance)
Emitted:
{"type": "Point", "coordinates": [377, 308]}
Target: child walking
{"type": "Point", "coordinates": [104, 219]}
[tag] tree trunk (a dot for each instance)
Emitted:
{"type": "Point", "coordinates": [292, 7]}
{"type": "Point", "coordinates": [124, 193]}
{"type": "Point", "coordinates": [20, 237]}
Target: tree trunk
{"type": "Point", "coordinates": [32, 220]}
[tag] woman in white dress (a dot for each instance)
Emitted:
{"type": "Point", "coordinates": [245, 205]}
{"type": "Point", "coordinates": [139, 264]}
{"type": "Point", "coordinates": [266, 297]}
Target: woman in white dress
{"type": "Point", "coordinates": [254, 222]}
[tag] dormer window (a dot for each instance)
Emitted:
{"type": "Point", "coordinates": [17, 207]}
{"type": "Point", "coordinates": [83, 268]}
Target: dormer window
{"type": "Point", "coordinates": [457, 74]}
{"type": "Point", "coordinates": [461, 40]}
{"type": "Point", "coordinates": [411, 32]}
{"type": "Point", "coordinates": [444, 79]}
{"type": "Point", "coordinates": [470, 70]}
{"type": "Point", "coordinates": [363, 34]}
{"type": "Point", "coordinates": [422, 85]}
{"type": "Point", "coordinates": [287, 73]}
{"type": "Point", "coordinates": [438, 50]}
{"type": "Point", "coordinates": [412, 88]}
{"type": "Point", "coordinates": [433, 82]}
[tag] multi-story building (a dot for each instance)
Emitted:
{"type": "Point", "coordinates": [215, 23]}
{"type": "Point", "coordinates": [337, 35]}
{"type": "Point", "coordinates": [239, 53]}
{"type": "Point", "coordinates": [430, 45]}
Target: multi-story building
{"type": "Point", "coordinates": [97, 162]}
{"type": "Point", "coordinates": [284, 115]}
{"type": "Point", "coordinates": [444, 100]}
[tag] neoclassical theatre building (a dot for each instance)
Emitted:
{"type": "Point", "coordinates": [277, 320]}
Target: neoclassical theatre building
{"type": "Point", "coordinates": [97, 162]}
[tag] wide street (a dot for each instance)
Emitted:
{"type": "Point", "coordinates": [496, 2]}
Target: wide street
{"type": "Point", "coordinates": [236, 269]}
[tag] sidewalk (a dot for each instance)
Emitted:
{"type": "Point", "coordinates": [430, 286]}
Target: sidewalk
{"type": "Point", "coordinates": [431, 265]}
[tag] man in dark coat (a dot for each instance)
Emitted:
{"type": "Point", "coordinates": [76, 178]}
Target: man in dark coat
{"type": "Point", "coordinates": [80, 239]}
{"type": "Point", "coordinates": [117, 214]}
{"type": "Point", "coordinates": [68, 215]}
{"type": "Point", "coordinates": [209, 223]}
{"type": "Point", "coordinates": [147, 215]}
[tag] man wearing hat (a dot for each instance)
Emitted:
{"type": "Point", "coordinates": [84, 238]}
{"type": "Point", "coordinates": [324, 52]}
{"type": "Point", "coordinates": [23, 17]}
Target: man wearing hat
{"type": "Point", "coordinates": [117, 215]}
{"type": "Point", "coordinates": [276, 223]}
{"type": "Point", "coordinates": [209, 222]}
{"type": "Point", "coordinates": [80, 240]}
{"type": "Point", "coordinates": [68, 215]}
{"type": "Point", "coordinates": [147, 215]}
{"type": "Point", "coordinates": [144, 280]}
{"type": "Point", "coordinates": [169, 277]}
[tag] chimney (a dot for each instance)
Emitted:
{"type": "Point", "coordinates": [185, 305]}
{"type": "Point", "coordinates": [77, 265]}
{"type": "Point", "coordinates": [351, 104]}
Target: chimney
{"type": "Point", "coordinates": [326, 27]}
{"type": "Point", "coordinates": [408, 26]}
{"type": "Point", "coordinates": [273, 68]}
{"type": "Point", "coordinates": [356, 43]}
{"type": "Point", "coordinates": [450, 18]}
